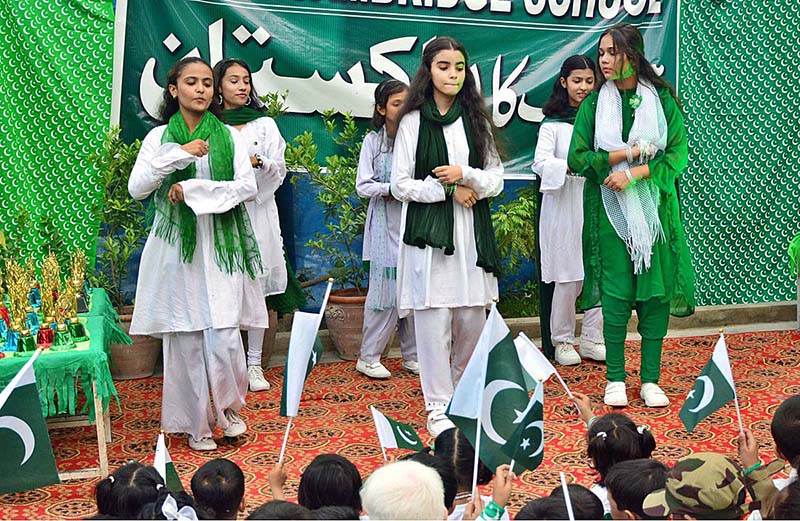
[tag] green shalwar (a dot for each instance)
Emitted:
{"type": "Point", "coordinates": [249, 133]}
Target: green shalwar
{"type": "Point", "coordinates": [667, 287]}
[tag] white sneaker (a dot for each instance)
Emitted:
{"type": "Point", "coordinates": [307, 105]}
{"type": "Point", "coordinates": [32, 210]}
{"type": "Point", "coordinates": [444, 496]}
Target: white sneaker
{"type": "Point", "coordinates": [593, 350]}
{"type": "Point", "coordinates": [566, 354]}
{"type": "Point", "coordinates": [202, 443]}
{"type": "Point", "coordinates": [373, 370]}
{"type": "Point", "coordinates": [412, 366]}
{"type": "Point", "coordinates": [438, 422]}
{"type": "Point", "coordinates": [615, 394]}
{"type": "Point", "coordinates": [236, 426]}
{"type": "Point", "coordinates": [653, 396]}
{"type": "Point", "coordinates": [255, 378]}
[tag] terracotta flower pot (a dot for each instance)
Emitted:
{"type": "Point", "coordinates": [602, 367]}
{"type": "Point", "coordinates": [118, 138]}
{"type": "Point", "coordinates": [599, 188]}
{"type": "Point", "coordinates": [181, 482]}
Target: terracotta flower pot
{"type": "Point", "coordinates": [137, 360]}
{"type": "Point", "coordinates": [344, 317]}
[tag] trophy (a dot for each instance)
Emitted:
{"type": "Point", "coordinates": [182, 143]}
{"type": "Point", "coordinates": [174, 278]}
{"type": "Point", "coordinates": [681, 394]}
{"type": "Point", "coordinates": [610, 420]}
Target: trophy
{"type": "Point", "coordinates": [27, 343]}
{"type": "Point", "coordinates": [75, 284]}
{"type": "Point", "coordinates": [12, 338]}
{"type": "Point", "coordinates": [51, 283]}
{"type": "Point", "coordinates": [63, 338]}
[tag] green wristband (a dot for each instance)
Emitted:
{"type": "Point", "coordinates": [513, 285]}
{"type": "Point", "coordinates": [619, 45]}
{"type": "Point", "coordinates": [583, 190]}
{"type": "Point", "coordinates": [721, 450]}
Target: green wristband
{"type": "Point", "coordinates": [751, 469]}
{"type": "Point", "coordinates": [493, 510]}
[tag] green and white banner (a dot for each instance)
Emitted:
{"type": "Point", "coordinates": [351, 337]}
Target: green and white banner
{"type": "Point", "coordinates": [331, 54]}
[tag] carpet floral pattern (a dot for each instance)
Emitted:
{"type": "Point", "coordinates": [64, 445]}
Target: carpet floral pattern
{"type": "Point", "coordinates": [334, 417]}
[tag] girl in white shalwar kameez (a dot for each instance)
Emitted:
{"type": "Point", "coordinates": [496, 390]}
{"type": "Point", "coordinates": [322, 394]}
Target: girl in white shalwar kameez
{"type": "Point", "coordinates": [195, 287]}
{"type": "Point", "coordinates": [382, 238]}
{"type": "Point", "coordinates": [561, 219]}
{"type": "Point", "coordinates": [266, 147]}
{"type": "Point", "coordinates": [445, 168]}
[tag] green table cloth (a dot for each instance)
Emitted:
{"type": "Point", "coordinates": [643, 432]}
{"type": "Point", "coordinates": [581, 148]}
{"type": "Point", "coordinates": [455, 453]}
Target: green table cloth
{"type": "Point", "coordinates": [58, 373]}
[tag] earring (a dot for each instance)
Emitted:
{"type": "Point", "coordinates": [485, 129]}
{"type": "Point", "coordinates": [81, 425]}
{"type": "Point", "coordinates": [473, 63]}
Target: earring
{"type": "Point", "coordinates": [220, 99]}
{"type": "Point", "coordinates": [249, 100]}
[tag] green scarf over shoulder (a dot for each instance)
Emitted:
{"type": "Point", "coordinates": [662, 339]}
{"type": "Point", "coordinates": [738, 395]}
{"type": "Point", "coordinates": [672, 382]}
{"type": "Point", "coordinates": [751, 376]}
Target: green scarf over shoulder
{"type": "Point", "coordinates": [235, 247]}
{"type": "Point", "coordinates": [431, 224]}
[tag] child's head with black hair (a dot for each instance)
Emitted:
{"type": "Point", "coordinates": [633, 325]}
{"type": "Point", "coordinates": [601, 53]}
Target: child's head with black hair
{"type": "Point", "coordinates": [445, 471]}
{"type": "Point", "coordinates": [389, 97]}
{"type": "Point", "coordinates": [613, 438]}
{"type": "Point", "coordinates": [336, 513]}
{"type": "Point", "coordinates": [123, 493]}
{"type": "Point", "coordinates": [629, 482]}
{"type": "Point", "coordinates": [171, 505]}
{"type": "Point", "coordinates": [218, 487]}
{"type": "Point", "coordinates": [585, 505]}
{"type": "Point", "coordinates": [278, 509]}
{"type": "Point", "coordinates": [787, 502]}
{"type": "Point", "coordinates": [453, 447]}
{"type": "Point", "coordinates": [785, 429]}
{"type": "Point", "coordinates": [330, 480]}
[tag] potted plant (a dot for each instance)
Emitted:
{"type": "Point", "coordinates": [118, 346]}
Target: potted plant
{"type": "Point", "coordinates": [344, 214]}
{"type": "Point", "coordinates": [122, 232]}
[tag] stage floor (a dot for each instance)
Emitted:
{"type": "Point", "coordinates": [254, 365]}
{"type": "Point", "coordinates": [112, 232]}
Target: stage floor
{"type": "Point", "coordinates": [334, 417]}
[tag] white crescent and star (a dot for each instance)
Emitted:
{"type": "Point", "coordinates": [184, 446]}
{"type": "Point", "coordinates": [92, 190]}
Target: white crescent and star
{"type": "Point", "coordinates": [489, 394]}
{"type": "Point", "coordinates": [538, 424]}
{"type": "Point", "coordinates": [708, 393]}
{"type": "Point", "coordinates": [405, 436]}
{"type": "Point", "coordinates": [23, 431]}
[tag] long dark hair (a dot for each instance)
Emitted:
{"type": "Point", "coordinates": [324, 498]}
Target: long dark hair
{"type": "Point", "coordinates": [484, 132]}
{"type": "Point", "coordinates": [219, 72]}
{"type": "Point", "coordinates": [385, 90]}
{"type": "Point", "coordinates": [127, 489]}
{"type": "Point", "coordinates": [169, 105]}
{"type": "Point", "coordinates": [558, 103]}
{"type": "Point", "coordinates": [629, 41]}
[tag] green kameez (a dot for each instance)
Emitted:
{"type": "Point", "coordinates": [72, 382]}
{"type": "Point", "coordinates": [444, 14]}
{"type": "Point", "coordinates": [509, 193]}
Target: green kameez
{"type": "Point", "coordinates": [667, 287]}
{"type": "Point", "coordinates": [607, 265]}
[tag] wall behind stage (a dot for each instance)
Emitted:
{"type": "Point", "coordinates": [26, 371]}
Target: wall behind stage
{"type": "Point", "coordinates": [55, 99]}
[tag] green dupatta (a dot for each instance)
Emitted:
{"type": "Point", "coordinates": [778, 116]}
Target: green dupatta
{"type": "Point", "coordinates": [431, 224]}
{"type": "Point", "coordinates": [235, 247]}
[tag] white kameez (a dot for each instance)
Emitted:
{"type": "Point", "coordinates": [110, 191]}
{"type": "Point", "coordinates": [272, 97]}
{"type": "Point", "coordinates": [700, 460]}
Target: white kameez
{"type": "Point", "coordinates": [561, 232]}
{"type": "Point", "coordinates": [174, 296]}
{"type": "Point", "coordinates": [193, 306]}
{"type": "Point", "coordinates": [561, 218]}
{"type": "Point", "coordinates": [263, 137]}
{"type": "Point", "coordinates": [379, 326]}
{"type": "Point", "coordinates": [448, 293]}
{"type": "Point", "coordinates": [426, 277]}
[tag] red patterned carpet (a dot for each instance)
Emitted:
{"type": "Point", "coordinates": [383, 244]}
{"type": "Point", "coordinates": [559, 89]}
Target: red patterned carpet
{"type": "Point", "coordinates": [334, 417]}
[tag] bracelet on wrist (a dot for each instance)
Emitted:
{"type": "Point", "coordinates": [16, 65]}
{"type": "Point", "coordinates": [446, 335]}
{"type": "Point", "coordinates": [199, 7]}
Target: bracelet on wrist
{"type": "Point", "coordinates": [493, 510]}
{"type": "Point", "coordinates": [751, 469]}
{"type": "Point", "coordinates": [629, 153]}
{"type": "Point", "coordinates": [590, 422]}
{"type": "Point", "coordinates": [631, 180]}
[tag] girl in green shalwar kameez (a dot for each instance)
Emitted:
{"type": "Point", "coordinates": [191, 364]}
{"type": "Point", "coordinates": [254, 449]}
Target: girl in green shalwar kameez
{"type": "Point", "coordinates": [629, 142]}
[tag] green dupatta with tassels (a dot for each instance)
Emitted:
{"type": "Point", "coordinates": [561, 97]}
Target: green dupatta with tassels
{"type": "Point", "coordinates": [431, 224]}
{"type": "Point", "coordinates": [235, 247]}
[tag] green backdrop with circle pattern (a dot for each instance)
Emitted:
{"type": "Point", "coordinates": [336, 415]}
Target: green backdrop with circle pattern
{"type": "Point", "coordinates": [55, 101]}
{"type": "Point", "coordinates": [738, 82]}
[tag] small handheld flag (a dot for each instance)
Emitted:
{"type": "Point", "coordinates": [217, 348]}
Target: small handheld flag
{"type": "Point", "coordinates": [393, 434]}
{"type": "Point", "coordinates": [712, 390]}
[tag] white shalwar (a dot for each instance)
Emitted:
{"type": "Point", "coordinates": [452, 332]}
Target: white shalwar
{"type": "Point", "coordinates": [560, 234]}
{"type": "Point", "coordinates": [263, 138]}
{"type": "Point", "coordinates": [448, 294]}
{"type": "Point", "coordinates": [196, 308]}
{"type": "Point", "coordinates": [374, 165]}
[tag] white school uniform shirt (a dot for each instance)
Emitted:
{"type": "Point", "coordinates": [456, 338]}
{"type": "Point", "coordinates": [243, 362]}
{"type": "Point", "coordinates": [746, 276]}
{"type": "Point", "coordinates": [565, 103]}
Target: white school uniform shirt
{"type": "Point", "coordinates": [263, 137]}
{"type": "Point", "coordinates": [602, 494]}
{"type": "Point", "coordinates": [426, 277]}
{"type": "Point", "coordinates": [173, 296]}
{"type": "Point", "coordinates": [561, 217]}
{"type": "Point", "coordinates": [375, 156]}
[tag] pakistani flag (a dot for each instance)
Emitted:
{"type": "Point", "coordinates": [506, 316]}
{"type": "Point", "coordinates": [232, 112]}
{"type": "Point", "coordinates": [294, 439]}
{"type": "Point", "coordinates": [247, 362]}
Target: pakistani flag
{"type": "Point", "coordinates": [493, 387]}
{"type": "Point", "coordinates": [305, 351]}
{"type": "Point", "coordinates": [28, 461]}
{"type": "Point", "coordinates": [712, 390]}
{"type": "Point", "coordinates": [526, 445]}
{"type": "Point", "coordinates": [393, 434]}
{"type": "Point", "coordinates": [163, 464]}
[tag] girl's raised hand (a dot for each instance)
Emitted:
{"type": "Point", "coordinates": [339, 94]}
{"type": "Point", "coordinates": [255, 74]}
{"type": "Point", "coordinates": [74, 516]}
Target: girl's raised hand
{"type": "Point", "coordinates": [198, 147]}
{"type": "Point", "coordinates": [448, 175]}
{"type": "Point", "coordinates": [584, 405]}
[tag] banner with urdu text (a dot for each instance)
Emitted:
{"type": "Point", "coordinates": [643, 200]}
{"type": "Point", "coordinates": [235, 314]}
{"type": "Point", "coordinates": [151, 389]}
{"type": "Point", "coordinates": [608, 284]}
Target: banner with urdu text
{"type": "Point", "coordinates": [331, 54]}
